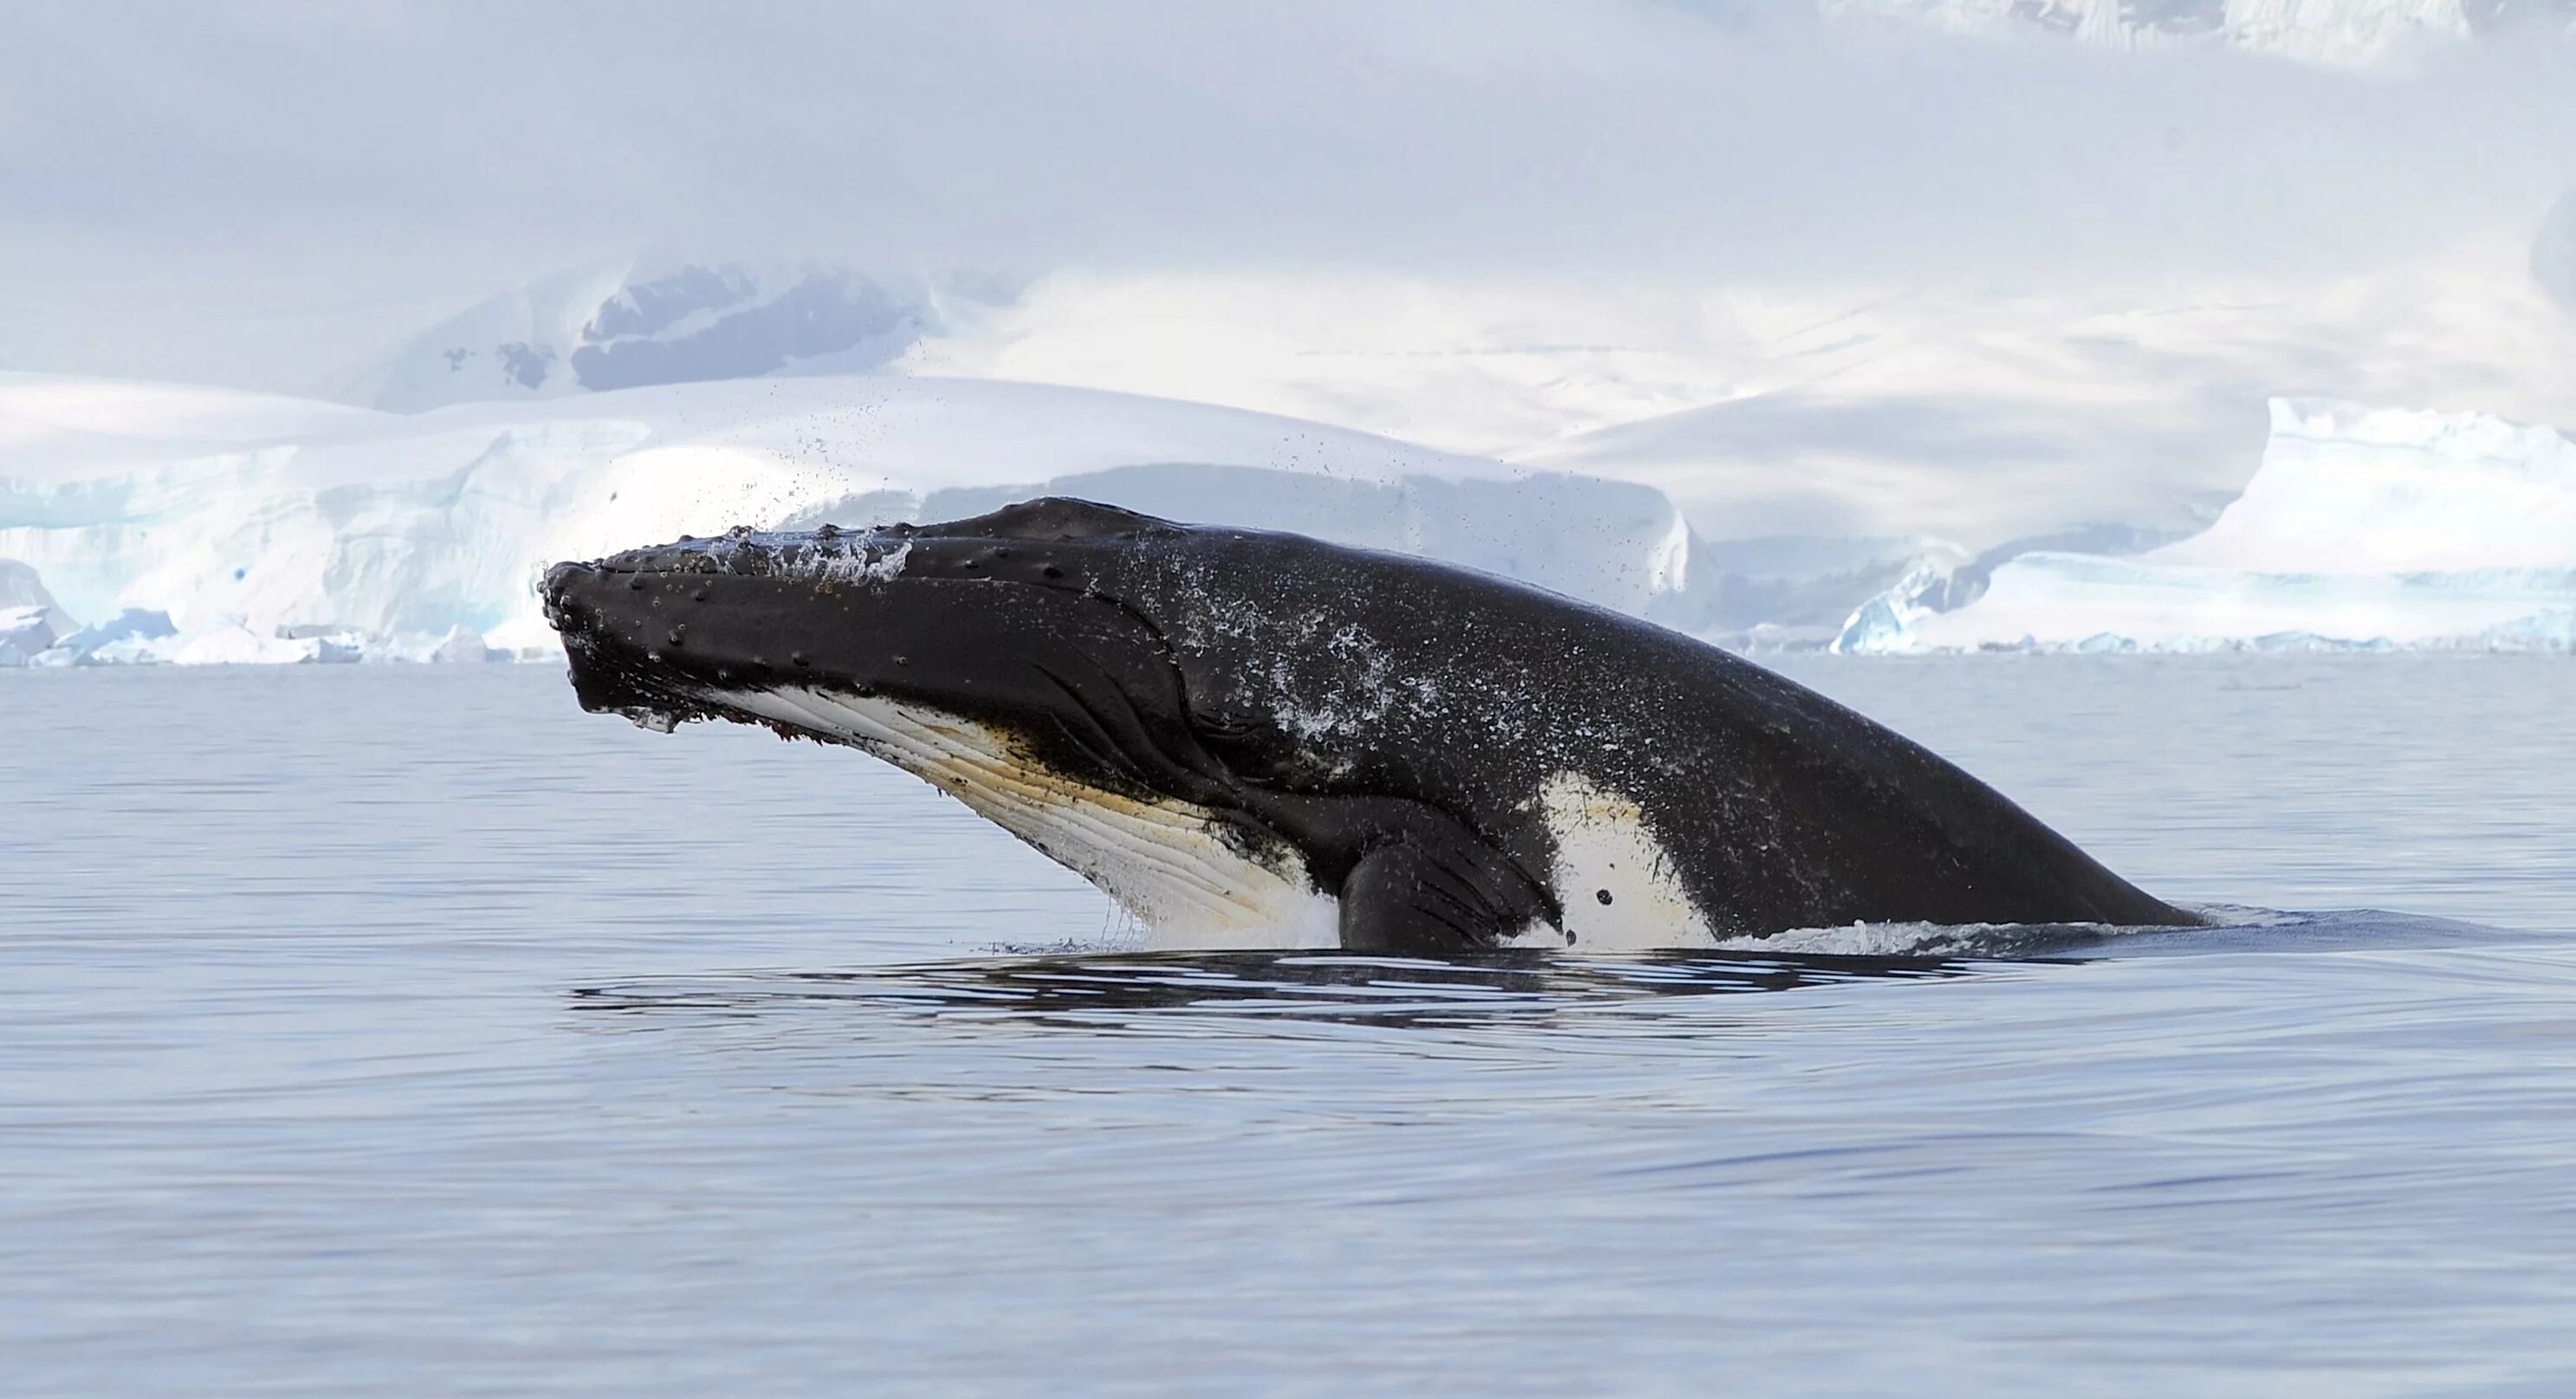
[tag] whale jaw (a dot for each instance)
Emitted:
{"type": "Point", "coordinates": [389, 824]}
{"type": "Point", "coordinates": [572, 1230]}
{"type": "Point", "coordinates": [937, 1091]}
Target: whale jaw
{"type": "Point", "coordinates": [1190, 877]}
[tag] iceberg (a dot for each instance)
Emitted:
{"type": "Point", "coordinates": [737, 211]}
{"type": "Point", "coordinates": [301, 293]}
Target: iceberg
{"type": "Point", "coordinates": [25, 633]}
{"type": "Point", "coordinates": [30, 622]}
{"type": "Point", "coordinates": [464, 646]}
{"type": "Point", "coordinates": [130, 637]}
{"type": "Point", "coordinates": [1794, 593]}
{"type": "Point", "coordinates": [236, 644]}
{"type": "Point", "coordinates": [2362, 528]}
{"type": "Point", "coordinates": [274, 532]}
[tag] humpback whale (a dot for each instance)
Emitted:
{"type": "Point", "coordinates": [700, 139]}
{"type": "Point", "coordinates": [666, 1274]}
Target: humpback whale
{"type": "Point", "coordinates": [1248, 737]}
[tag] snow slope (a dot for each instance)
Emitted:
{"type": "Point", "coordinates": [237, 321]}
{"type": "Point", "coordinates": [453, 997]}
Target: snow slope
{"type": "Point", "coordinates": [78, 425]}
{"type": "Point", "coordinates": [318, 533]}
{"type": "Point", "coordinates": [1844, 411]}
{"type": "Point", "coordinates": [2364, 527]}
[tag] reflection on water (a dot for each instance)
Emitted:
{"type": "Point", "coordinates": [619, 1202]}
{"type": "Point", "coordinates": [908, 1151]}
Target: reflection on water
{"type": "Point", "coordinates": [1107, 991]}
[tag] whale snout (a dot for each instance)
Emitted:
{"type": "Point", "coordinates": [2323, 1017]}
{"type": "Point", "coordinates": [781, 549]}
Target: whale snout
{"type": "Point", "coordinates": [560, 583]}
{"type": "Point", "coordinates": [562, 594]}
{"type": "Point", "coordinates": [962, 621]}
{"type": "Point", "coordinates": [588, 600]}
{"type": "Point", "coordinates": [659, 629]}
{"type": "Point", "coordinates": [586, 597]}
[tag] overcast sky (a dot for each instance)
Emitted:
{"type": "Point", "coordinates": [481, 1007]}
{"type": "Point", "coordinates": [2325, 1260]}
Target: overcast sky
{"type": "Point", "coordinates": [264, 193]}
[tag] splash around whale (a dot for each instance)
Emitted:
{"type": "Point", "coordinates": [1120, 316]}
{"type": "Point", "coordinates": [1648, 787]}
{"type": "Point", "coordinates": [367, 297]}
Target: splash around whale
{"type": "Point", "coordinates": [1259, 739]}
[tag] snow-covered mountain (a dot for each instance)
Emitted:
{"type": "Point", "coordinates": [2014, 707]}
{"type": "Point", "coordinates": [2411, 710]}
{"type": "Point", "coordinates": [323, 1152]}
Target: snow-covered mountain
{"type": "Point", "coordinates": [2339, 33]}
{"type": "Point", "coordinates": [2364, 527]}
{"type": "Point", "coordinates": [339, 534]}
{"type": "Point", "coordinates": [627, 323]}
{"type": "Point", "coordinates": [1862, 410]}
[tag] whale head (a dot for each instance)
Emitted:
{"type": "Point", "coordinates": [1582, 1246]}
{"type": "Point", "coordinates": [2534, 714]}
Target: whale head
{"type": "Point", "coordinates": [1111, 688]}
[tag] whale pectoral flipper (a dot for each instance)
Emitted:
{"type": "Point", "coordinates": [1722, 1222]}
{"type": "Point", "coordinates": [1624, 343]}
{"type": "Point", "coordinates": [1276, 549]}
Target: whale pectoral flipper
{"type": "Point", "coordinates": [1403, 897]}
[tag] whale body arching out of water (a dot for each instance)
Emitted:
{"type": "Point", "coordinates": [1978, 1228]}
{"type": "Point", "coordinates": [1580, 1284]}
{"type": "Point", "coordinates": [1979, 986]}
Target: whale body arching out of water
{"type": "Point", "coordinates": [1248, 738]}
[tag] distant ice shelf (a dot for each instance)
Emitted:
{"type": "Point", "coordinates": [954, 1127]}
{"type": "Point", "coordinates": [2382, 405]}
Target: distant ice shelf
{"type": "Point", "coordinates": [2364, 528]}
{"type": "Point", "coordinates": [194, 526]}
{"type": "Point", "coordinates": [221, 531]}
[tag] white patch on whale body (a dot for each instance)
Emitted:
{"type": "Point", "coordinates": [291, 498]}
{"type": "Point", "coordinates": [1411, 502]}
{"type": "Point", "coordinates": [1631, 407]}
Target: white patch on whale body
{"type": "Point", "coordinates": [1603, 845]}
{"type": "Point", "coordinates": [1163, 860]}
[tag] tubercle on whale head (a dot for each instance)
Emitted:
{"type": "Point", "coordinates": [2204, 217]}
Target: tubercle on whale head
{"type": "Point", "coordinates": [1051, 541]}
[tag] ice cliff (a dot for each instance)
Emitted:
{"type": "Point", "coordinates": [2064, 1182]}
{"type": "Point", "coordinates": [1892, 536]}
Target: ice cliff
{"type": "Point", "coordinates": [2362, 528]}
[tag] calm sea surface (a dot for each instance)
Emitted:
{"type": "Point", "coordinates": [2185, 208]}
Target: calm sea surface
{"type": "Point", "coordinates": [404, 1031]}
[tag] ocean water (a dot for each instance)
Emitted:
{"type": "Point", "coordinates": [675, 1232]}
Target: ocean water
{"type": "Point", "coordinates": [406, 1031]}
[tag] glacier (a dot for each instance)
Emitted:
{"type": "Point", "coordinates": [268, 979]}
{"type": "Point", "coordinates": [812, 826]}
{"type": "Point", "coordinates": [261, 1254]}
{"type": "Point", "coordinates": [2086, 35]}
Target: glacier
{"type": "Point", "coordinates": [226, 528]}
{"type": "Point", "coordinates": [2362, 528]}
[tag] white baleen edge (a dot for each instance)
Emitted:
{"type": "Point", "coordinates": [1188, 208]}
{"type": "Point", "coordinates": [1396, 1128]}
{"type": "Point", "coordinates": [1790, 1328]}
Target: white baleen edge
{"type": "Point", "coordinates": [1163, 860]}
